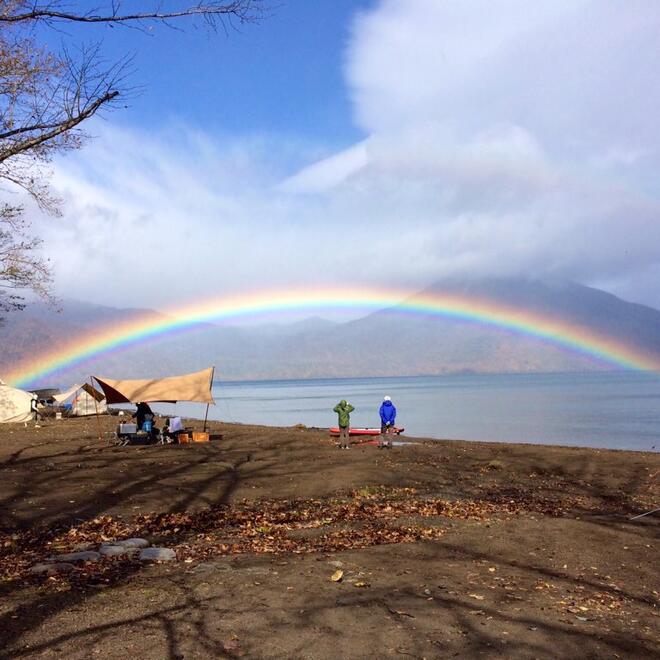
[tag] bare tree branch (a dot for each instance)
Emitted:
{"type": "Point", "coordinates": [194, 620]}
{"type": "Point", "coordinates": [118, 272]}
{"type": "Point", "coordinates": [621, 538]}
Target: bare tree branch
{"type": "Point", "coordinates": [48, 133]}
{"type": "Point", "coordinates": [243, 10]}
{"type": "Point", "coordinates": [47, 95]}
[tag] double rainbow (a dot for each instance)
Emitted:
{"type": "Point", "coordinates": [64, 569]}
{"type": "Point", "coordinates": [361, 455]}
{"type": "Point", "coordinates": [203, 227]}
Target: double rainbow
{"type": "Point", "coordinates": [580, 339]}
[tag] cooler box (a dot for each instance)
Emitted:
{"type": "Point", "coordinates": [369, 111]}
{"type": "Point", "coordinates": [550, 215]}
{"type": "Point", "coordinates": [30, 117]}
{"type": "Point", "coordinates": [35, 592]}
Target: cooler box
{"type": "Point", "coordinates": [127, 429]}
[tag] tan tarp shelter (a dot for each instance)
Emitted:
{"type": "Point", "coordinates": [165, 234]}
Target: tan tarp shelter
{"type": "Point", "coordinates": [16, 405]}
{"type": "Point", "coordinates": [85, 400]}
{"type": "Point", "coordinates": [189, 387]}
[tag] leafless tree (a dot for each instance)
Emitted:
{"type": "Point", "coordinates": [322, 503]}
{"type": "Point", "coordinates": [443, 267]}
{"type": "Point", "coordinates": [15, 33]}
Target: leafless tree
{"type": "Point", "coordinates": [46, 96]}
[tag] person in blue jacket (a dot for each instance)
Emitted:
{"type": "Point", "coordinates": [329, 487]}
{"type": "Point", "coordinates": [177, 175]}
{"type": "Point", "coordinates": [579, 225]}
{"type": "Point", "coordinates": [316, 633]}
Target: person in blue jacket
{"type": "Point", "coordinates": [387, 418]}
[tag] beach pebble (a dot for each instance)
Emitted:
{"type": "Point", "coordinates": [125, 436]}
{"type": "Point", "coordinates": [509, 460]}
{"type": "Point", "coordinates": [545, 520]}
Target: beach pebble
{"type": "Point", "coordinates": [86, 555]}
{"type": "Point", "coordinates": [157, 554]}
{"type": "Point", "coordinates": [51, 569]}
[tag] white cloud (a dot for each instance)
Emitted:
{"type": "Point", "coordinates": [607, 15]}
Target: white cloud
{"type": "Point", "coordinates": [501, 138]}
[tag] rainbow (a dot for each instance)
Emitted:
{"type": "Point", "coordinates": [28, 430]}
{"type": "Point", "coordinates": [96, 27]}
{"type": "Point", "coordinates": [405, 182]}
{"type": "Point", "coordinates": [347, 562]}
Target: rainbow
{"type": "Point", "coordinates": [80, 349]}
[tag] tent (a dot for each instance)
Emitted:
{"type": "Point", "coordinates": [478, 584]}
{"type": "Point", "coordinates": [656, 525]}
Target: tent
{"type": "Point", "coordinates": [46, 396]}
{"type": "Point", "coordinates": [188, 387]}
{"type": "Point", "coordinates": [85, 400]}
{"type": "Point", "coordinates": [16, 405]}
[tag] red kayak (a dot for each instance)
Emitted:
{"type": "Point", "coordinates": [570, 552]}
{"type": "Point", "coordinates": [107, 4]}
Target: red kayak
{"type": "Point", "coordinates": [334, 431]}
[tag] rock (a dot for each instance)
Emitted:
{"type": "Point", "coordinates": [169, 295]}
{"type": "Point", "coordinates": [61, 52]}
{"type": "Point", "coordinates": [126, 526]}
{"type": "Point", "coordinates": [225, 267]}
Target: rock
{"type": "Point", "coordinates": [116, 550]}
{"type": "Point", "coordinates": [51, 569]}
{"type": "Point", "coordinates": [85, 555]}
{"type": "Point", "coordinates": [157, 554]}
{"type": "Point", "coordinates": [133, 543]}
{"type": "Point", "coordinates": [79, 547]}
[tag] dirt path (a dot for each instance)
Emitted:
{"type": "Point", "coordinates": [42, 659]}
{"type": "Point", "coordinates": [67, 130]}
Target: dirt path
{"type": "Point", "coordinates": [445, 548]}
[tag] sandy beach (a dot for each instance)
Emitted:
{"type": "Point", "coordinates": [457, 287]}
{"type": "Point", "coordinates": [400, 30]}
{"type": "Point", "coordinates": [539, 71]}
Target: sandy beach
{"type": "Point", "coordinates": [437, 549]}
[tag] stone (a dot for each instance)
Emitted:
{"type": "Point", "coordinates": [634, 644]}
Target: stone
{"type": "Point", "coordinates": [51, 569]}
{"type": "Point", "coordinates": [79, 547]}
{"type": "Point", "coordinates": [133, 543]}
{"type": "Point", "coordinates": [85, 555]}
{"type": "Point", "coordinates": [157, 554]}
{"type": "Point", "coordinates": [116, 550]}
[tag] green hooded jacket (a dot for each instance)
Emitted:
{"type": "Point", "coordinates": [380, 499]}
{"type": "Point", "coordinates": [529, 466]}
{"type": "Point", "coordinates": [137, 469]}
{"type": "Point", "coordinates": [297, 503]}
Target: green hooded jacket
{"type": "Point", "coordinates": [344, 410]}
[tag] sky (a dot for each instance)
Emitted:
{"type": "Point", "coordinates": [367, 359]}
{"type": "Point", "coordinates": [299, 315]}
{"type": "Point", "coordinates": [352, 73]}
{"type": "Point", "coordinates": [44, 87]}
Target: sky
{"type": "Point", "coordinates": [389, 142]}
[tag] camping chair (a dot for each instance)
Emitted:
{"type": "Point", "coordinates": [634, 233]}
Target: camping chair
{"type": "Point", "coordinates": [172, 430]}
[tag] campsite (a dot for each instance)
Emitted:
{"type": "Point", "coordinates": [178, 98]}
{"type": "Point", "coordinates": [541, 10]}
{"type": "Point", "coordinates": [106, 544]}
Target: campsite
{"type": "Point", "coordinates": [420, 241]}
{"type": "Point", "coordinates": [285, 548]}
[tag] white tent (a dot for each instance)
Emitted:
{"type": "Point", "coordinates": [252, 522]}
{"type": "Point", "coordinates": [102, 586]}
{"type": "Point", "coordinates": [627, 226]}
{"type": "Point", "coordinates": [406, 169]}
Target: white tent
{"type": "Point", "coordinates": [16, 405]}
{"type": "Point", "coordinates": [85, 400]}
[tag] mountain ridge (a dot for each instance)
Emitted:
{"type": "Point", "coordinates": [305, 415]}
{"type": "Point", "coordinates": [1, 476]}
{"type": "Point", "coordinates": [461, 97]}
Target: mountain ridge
{"type": "Point", "coordinates": [387, 342]}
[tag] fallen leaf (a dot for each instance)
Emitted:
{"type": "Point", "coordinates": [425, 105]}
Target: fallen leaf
{"type": "Point", "coordinates": [337, 576]}
{"type": "Point", "coordinates": [476, 596]}
{"type": "Point", "coordinates": [359, 583]}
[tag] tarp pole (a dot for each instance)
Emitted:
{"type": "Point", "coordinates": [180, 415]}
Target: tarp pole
{"type": "Point", "coordinates": [641, 515]}
{"type": "Point", "coordinates": [207, 405]}
{"type": "Point", "coordinates": [96, 408]}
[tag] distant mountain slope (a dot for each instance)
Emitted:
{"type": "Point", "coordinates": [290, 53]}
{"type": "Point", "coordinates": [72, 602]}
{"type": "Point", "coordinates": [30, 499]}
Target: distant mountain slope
{"type": "Point", "coordinates": [569, 301]}
{"type": "Point", "coordinates": [387, 342]}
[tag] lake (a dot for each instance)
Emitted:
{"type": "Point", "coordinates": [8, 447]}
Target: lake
{"type": "Point", "coordinates": [616, 410]}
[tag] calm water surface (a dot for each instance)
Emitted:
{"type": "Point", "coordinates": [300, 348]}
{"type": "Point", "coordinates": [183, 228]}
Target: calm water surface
{"type": "Point", "coordinates": [610, 410]}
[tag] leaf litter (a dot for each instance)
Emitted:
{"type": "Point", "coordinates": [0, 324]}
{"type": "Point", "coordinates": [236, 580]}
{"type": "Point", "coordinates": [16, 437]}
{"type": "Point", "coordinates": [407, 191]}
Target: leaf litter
{"type": "Point", "coordinates": [361, 519]}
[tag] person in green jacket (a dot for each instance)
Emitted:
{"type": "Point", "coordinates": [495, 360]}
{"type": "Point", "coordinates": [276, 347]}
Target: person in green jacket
{"type": "Point", "coordinates": [344, 410]}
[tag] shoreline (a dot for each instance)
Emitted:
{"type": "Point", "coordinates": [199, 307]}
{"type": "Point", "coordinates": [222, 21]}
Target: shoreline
{"type": "Point", "coordinates": [605, 411]}
{"type": "Point", "coordinates": [418, 439]}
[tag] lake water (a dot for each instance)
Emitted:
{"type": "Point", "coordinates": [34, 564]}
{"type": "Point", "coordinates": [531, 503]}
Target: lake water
{"type": "Point", "coordinates": [610, 410]}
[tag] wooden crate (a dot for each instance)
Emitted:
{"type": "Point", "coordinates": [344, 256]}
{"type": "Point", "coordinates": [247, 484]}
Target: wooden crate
{"type": "Point", "coordinates": [183, 438]}
{"type": "Point", "coordinates": [199, 436]}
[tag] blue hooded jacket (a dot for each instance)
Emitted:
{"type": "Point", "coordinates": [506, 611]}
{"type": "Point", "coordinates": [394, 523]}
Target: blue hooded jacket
{"type": "Point", "coordinates": [387, 413]}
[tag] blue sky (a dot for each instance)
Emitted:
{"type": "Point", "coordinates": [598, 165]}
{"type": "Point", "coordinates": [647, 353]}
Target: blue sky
{"type": "Point", "coordinates": [281, 75]}
{"type": "Point", "coordinates": [385, 142]}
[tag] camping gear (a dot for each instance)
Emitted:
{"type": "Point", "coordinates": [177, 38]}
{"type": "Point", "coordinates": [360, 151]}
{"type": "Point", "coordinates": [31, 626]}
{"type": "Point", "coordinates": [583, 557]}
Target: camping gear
{"type": "Point", "coordinates": [82, 400]}
{"type": "Point", "coordinates": [175, 425]}
{"type": "Point", "coordinates": [334, 431]}
{"type": "Point", "coordinates": [172, 430]}
{"type": "Point", "coordinates": [46, 396]}
{"type": "Point", "coordinates": [128, 434]}
{"type": "Point", "coordinates": [200, 436]}
{"type": "Point", "coordinates": [16, 405]}
{"type": "Point", "coordinates": [641, 515]}
{"type": "Point", "coordinates": [187, 387]}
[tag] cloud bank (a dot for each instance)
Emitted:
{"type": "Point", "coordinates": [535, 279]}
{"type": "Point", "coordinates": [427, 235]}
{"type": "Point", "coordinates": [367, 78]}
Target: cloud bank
{"type": "Point", "coordinates": [500, 138]}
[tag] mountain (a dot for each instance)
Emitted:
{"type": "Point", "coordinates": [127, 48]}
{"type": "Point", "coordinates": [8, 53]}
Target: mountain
{"type": "Point", "coordinates": [384, 343]}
